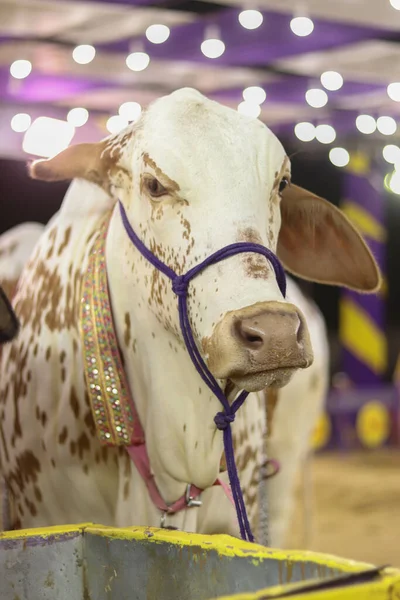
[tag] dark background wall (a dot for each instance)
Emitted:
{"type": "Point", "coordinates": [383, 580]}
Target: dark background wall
{"type": "Point", "coordinates": [22, 199]}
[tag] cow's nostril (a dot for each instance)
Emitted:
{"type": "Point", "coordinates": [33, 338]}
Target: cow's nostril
{"type": "Point", "coordinates": [249, 334]}
{"type": "Point", "coordinates": [253, 339]}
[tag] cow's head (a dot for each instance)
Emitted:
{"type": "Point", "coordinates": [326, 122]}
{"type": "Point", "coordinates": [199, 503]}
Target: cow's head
{"type": "Point", "coordinates": [195, 176]}
{"type": "Point", "coordinates": [9, 324]}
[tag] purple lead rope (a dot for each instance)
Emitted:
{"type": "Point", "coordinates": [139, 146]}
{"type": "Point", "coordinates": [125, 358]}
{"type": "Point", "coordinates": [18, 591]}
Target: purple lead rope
{"type": "Point", "coordinates": [180, 284]}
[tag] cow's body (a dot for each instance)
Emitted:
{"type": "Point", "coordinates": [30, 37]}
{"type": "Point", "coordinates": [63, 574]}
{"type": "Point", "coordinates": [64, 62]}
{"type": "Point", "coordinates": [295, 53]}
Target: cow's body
{"type": "Point", "coordinates": [185, 200]}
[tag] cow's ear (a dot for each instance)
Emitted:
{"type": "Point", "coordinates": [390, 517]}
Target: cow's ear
{"type": "Point", "coordinates": [97, 162]}
{"type": "Point", "coordinates": [9, 324]}
{"type": "Point", "coordinates": [317, 242]}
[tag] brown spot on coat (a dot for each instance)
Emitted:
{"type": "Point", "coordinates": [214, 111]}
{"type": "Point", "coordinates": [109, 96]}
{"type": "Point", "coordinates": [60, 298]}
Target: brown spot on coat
{"type": "Point", "coordinates": [83, 444]}
{"type": "Point", "coordinates": [65, 242]}
{"type": "Point", "coordinates": [127, 333]}
{"type": "Point", "coordinates": [169, 183]}
{"type": "Point", "coordinates": [38, 494]}
{"type": "Point", "coordinates": [126, 489]}
{"type": "Point", "coordinates": [63, 436]}
{"type": "Point", "coordinates": [74, 403]}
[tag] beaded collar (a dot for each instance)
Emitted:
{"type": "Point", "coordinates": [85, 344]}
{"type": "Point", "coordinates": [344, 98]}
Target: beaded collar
{"type": "Point", "coordinates": [117, 422]}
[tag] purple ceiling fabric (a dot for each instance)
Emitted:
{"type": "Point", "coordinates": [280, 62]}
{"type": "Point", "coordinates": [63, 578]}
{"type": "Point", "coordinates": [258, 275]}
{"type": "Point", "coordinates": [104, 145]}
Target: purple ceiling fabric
{"type": "Point", "coordinates": [272, 41]}
{"type": "Point", "coordinates": [256, 51]}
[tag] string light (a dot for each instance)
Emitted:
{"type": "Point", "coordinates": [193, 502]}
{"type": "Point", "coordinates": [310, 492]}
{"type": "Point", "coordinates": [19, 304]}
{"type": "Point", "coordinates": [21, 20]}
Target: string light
{"type": "Point", "coordinates": [304, 131]}
{"type": "Point", "coordinates": [116, 123]}
{"type": "Point", "coordinates": [366, 124]}
{"type": "Point", "coordinates": [84, 54]}
{"type": "Point", "coordinates": [157, 34]}
{"type": "Point", "coordinates": [130, 111]}
{"type": "Point", "coordinates": [391, 153]}
{"type": "Point", "coordinates": [325, 134]}
{"type": "Point", "coordinates": [20, 69]}
{"type": "Point", "coordinates": [332, 80]}
{"type": "Point", "coordinates": [254, 94]}
{"type": "Point", "coordinates": [316, 98]}
{"type": "Point", "coordinates": [386, 125]}
{"type": "Point", "coordinates": [78, 116]}
{"type": "Point", "coordinates": [138, 61]}
{"type": "Point", "coordinates": [393, 91]}
{"type": "Point", "coordinates": [47, 137]}
{"type": "Point", "coordinates": [213, 46]}
{"type": "Point", "coordinates": [339, 157]}
{"type": "Point", "coordinates": [302, 26]}
{"type": "Point", "coordinates": [394, 182]}
{"type": "Point", "coordinates": [249, 109]}
{"type": "Point", "coordinates": [250, 19]}
{"type": "Point", "coordinates": [20, 122]}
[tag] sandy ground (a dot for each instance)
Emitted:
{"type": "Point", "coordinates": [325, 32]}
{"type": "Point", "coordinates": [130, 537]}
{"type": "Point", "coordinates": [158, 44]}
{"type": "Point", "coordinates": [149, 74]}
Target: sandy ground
{"type": "Point", "coordinates": [355, 500]}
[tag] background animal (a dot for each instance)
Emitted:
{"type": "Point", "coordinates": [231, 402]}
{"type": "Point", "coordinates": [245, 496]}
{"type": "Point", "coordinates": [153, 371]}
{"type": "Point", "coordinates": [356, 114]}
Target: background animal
{"type": "Point", "coordinates": [15, 248]}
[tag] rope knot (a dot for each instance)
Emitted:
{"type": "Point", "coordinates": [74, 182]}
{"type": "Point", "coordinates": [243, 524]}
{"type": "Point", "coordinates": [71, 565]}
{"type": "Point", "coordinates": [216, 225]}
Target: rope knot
{"type": "Point", "coordinates": [180, 285]}
{"type": "Point", "coordinates": [223, 421]}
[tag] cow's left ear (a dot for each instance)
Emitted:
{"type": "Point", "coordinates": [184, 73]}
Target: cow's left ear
{"type": "Point", "coordinates": [97, 162]}
{"type": "Point", "coordinates": [9, 324]}
{"type": "Point", "coordinates": [317, 242]}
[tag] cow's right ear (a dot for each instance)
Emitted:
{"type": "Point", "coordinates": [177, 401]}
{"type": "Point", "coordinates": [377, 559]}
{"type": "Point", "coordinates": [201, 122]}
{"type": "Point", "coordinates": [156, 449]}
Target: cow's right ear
{"type": "Point", "coordinates": [9, 324]}
{"type": "Point", "coordinates": [97, 162]}
{"type": "Point", "coordinates": [81, 161]}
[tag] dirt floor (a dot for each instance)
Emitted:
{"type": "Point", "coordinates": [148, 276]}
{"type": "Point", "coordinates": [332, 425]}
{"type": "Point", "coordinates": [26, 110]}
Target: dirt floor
{"type": "Point", "coordinates": [355, 499]}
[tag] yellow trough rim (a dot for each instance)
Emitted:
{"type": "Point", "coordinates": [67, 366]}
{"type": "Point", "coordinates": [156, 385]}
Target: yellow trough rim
{"type": "Point", "coordinates": [385, 587]}
{"type": "Point", "coordinates": [224, 545]}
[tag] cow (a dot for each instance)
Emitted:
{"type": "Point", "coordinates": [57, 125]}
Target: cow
{"type": "Point", "coordinates": [15, 248]}
{"type": "Point", "coordinates": [192, 176]}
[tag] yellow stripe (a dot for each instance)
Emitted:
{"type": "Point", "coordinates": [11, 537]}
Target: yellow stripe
{"type": "Point", "coordinates": [360, 335]}
{"type": "Point", "coordinates": [359, 163]}
{"type": "Point", "coordinates": [366, 223]}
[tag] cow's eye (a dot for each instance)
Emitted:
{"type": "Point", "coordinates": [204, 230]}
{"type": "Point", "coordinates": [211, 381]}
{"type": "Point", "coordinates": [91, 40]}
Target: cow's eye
{"type": "Point", "coordinates": [283, 184]}
{"type": "Point", "coordinates": [154, 187]}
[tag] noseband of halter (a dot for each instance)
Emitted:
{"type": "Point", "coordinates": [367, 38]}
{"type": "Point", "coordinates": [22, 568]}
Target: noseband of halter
{"type": "Point", "coordinates": [180, 285]}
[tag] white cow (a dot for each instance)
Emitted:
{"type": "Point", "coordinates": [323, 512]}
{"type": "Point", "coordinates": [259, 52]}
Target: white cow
{"type": "Point", "coordinates": [192, 176]}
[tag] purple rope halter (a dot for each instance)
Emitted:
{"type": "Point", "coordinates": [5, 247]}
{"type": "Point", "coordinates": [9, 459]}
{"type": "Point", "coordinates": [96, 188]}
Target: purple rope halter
{"type": "Point", "coordinates": [180, 284]}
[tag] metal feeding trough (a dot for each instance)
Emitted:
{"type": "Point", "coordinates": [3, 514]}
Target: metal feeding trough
{"type": "Point", "coordinates": [88, 562]}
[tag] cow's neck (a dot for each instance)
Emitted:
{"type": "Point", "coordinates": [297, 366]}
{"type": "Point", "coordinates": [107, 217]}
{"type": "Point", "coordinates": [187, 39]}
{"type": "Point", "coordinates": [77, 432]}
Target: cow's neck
{"type": "Point", "coordinates": [175, 407]}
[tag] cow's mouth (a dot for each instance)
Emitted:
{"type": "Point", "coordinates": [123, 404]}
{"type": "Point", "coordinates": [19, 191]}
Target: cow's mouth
{"type": "Point", "coordinates": [256, 382]}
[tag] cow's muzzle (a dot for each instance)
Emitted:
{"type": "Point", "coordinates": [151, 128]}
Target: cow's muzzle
{"type": "Point", "coordinates": [259, 345]}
